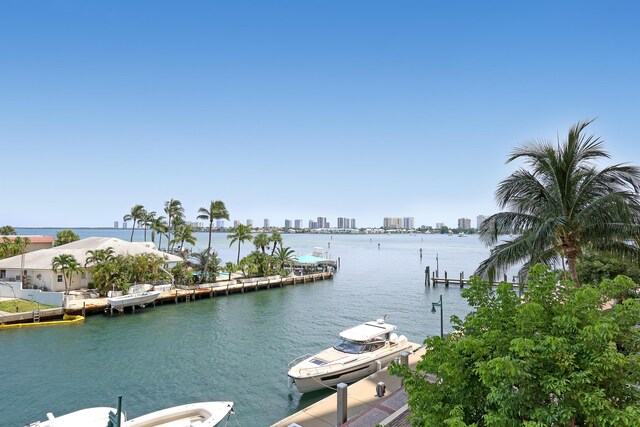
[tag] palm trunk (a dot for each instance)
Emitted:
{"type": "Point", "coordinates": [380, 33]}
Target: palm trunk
{"type": "Point", "coordinates": [145, 233]}
{"type": "Point", "coordinates": [169, 234]}
{"type": "Point", "coordinates": [238, 261]}
{"type": "Point", "coordinates": [133, 227]}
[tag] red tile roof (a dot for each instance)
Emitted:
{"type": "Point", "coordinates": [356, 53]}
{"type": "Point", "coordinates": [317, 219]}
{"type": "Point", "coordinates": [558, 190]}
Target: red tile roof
{"type": "Point", "coordinates": [34, 239]}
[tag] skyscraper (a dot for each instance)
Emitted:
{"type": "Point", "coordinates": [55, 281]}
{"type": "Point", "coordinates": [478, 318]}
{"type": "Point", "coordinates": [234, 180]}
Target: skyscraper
{"type": "Point", "coordinates": [297, 223]}
{"type": "Point", "coordinates": [392, 222]}
{"type": "Point", "coordinates": [249, 223]}
{"type": "Point", "coordinates": [464, 223]}
{"type": "Point", "coordinates": [287, 223]}
{"type": "Point", "coordinates": [408, 223]}
{"type": "Point", "coordinates": [479, 220]}
{"type": "Point", "coordinates": [266, 223]}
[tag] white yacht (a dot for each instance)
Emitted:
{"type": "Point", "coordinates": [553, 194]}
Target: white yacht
{"type": "Point", "coordinates": [129, 300]}
{"type": "Point", "coordinates": [361, 351]}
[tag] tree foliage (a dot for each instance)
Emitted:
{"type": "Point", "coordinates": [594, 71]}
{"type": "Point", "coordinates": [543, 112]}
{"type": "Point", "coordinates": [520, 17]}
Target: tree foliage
{"type": "Point", "coordinates": [12, 247]}
{"type": "Point", "coordinates": [561, 204]}
{"type": "Point", "coordinates": [553, 358]}
{"type": "Point", "coordinates": [7, 230]}
{"type": "Point", "coordinates": [65, 236]}
{"type": "Point", "coordinates": [596, 268]}
{"type": "Point", "coordinates": [118, 272]}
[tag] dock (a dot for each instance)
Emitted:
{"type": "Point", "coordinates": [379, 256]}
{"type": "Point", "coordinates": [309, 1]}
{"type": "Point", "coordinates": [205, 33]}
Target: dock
{"type": "Point", "coordinates": [434, 280]}
{"type": "Point", "coordinates": [209, 290]}
{"type": "Point", "coordinates": [364, 407]}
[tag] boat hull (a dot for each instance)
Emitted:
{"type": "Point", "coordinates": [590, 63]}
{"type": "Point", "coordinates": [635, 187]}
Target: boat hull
{"type": "Point", "coordinates": [133, 300]}
{"type": "Point", "coordinates": [89, 417]}
{"type": "Point", "coordinates": [328, 378]}
{"type": "Point", "coordinates": [202, 414]}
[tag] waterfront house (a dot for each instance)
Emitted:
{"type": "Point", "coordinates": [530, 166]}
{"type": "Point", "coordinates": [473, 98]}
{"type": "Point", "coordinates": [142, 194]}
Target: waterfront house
{"type": "Point", "coordinates": [35, 242]}
{"type": "Point", "coordinates": [40, 275]}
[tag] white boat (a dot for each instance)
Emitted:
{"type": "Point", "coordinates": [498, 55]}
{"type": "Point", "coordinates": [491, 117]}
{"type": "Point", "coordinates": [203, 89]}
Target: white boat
{"type": "Point", "coordinates": [202, 414]}
{"type": "Point", "coordinates": [361, 351]}
{"type": "Point", "coordinates": [129, 300]}
{"type": "Point", "coordinates": [89, 417]}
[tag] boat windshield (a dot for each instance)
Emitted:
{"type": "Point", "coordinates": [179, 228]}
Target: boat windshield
{"type": "Point", "coordinates": [350, 346]}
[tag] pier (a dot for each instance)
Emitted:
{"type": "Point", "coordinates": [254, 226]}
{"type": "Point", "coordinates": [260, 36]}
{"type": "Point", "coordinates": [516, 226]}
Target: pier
{"type": "Point", "coordinates": [208, 290]}
{"type": "Point", "coordinates": [434, 280]}
{"type": "Point", "coordinates": [363, 406]}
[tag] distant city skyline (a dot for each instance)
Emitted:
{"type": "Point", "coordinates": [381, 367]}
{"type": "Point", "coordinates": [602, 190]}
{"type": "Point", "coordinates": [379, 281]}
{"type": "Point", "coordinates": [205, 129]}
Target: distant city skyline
{"type": "Point", "coordinates": [287, 110]}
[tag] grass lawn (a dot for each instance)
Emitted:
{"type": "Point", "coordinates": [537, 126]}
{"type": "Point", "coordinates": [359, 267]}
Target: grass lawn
{"type": "Point", "coordinates": [10, 306]}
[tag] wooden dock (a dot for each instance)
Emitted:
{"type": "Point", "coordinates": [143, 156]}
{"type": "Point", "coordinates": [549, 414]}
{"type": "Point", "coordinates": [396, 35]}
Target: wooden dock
{"type": "Point", "coordinates": [434, 280]}
{"type": "Point", "coordinates": [209, 290]}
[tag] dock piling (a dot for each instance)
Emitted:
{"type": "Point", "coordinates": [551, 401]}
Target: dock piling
{"type": "Point", "coordinates": [342, 403]}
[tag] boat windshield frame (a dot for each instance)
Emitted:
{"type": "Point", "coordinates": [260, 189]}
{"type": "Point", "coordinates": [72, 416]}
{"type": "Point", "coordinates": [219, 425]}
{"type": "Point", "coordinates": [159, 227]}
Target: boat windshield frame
{"type": "Point", "coordinates": [356, 347]}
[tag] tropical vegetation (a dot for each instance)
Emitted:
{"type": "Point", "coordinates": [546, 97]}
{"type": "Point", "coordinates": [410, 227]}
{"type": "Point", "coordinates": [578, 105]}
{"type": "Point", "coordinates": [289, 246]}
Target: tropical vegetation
{"type": "Point", "coordinates": [65, 236]}
{"type": "Point", "coordinates": [563, 204]}
{"type": "Point", "coordinates": [136, 216]}
{"type": "Point", "coordinates": [12, 247]}
{"type": "Point", "coordinates": [111, 272]}
{"type": "Point", "coordinates": [7, 230]}
{"type": "Point", "coordinates": [175, 212]}
{"type": "Point", "coordinates": [68, 265]}
{"type": "Point", "coordinates": [558, 356]}
{"type": "Point", "coordinates": [240, 234]}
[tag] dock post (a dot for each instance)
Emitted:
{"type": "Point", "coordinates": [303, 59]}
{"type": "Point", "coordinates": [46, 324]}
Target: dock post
{"type": "Point", "coordinates": [342, 403]}
{"type": "Point", "coordinates": [338, 262]}
{"type": "Point", "coordinates": [84, 308]}
{"type": "Point", "coordinates": [404, 358]}
{"type": "Point", "coordinates": [433, 276]}
{"type": "Point", "coordinates": [176, 296]}
{"type": "Point", "coordinates": [505, 277]}
{"type": "Point", "coordinates": [426, 276]}
{"type": "Point", "coordinates": [461, 279]}
{"type": "Point", "coordinates": [446, 280]}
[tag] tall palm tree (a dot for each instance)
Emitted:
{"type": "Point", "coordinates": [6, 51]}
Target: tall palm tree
{"type": "Point", "coordinates": [173, 208]}
{"type": "Point", "coordinates": [261, 241]}
{"type": "Point", "coordinates": [146, 221]}
{"type": "Point", "coordinates": [136, 213]}
{"type": "Point", "coordinates": [562, 204]}
{"type": "Point", "coordinates": [68, 264]}
{"type": "Point", "coordinates": [158, 225]}
{"type": "Point", "coordinates": [216, 210]}
{"type": "Point", "coordinates": [276, 239]}
{"type": "Point", "coordinates": [239, 234]}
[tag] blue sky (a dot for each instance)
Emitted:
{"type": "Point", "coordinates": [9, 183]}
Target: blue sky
{"type": "Point", "coordinates": [298, 109]}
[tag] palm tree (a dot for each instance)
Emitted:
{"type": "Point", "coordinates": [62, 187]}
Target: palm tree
{"type": "Point", "coordinates": [284, 256]}
{"type": "Point", "coordinates": [68, 265]}
{"type": "Point", "coordinates": [158, 225]}
{"type": "Point", "coordinates": [8, 230]}
{"type": "Point", "coordinates": [240, 234]}
{"type": "Point", "coordinates": [562, 205]}
{"type": "Point", "coordinates": [146, 221]}
{"type": "Point", "coordinates": [261, 241]}
{"type": "Point", "coordinates": [98, 256]}
{"type": "Point", "coordinates": [276, 238]}
{"type": "Point", "coordinates": [216, 210]}
{"type": "Point", "coordinates": [135, 215]}
{"type": "Point", "coordinates": [173, 208]}
{"type": "Point", "coordinates": [184, 233]}
{"type": "Point", "coordinates": [230, 268]}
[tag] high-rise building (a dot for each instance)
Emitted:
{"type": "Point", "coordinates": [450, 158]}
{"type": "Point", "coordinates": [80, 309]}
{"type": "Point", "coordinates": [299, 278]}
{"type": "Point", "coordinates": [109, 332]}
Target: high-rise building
{"type": "Point", "coordinates": [313, 224]}
{"type": "Point", "coordinates": [440, 225]}
{"type": "Point", "coordinates": [353, 223]}
{"type": "Point", "coordinates": [297, 223]}
{"type": "Point", "coordinates": [266, 223]}
{"type": "Point", "coordinates": [236, 222]}
{"type": "Point", "coordinates": [344, 222]}
{"type": "Point", "coordinates": [408, 223]}
{"type": "Point", "coordinates": [287, 223]}
{"type": "Point", "coordinates": [392, 222]}
{"type": "Point", "coordinates": [249, 223]}
{"type": "Point", "coordinates": [479, 220]}
{"type": "Point", "coordinates": [464, 223]}
{"type": "Point", "coordinates": [115, 224]}
{"type": "Point", "coordinates": [219, 223]}
{"type": "Point", "coordinates": [322, 222]}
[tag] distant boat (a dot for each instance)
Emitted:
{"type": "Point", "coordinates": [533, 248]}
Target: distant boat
{"type": "Point", "coordinates": [137, 299]}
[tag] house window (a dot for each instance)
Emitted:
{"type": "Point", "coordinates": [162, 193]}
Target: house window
{"type": "Point", "coordinates": [59, 278]}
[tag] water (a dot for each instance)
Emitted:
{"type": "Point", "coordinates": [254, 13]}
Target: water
{"type": "Point", "coordinates": [230, 348]}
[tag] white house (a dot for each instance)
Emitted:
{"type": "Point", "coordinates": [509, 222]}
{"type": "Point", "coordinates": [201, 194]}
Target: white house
{"type": "Point", "coordinates": [39, 273]}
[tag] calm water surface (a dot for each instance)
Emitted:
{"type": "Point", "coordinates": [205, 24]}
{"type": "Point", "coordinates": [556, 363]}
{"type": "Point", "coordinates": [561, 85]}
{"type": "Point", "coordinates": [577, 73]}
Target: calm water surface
{"type": "Point", "coordinates": [230, 348]}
